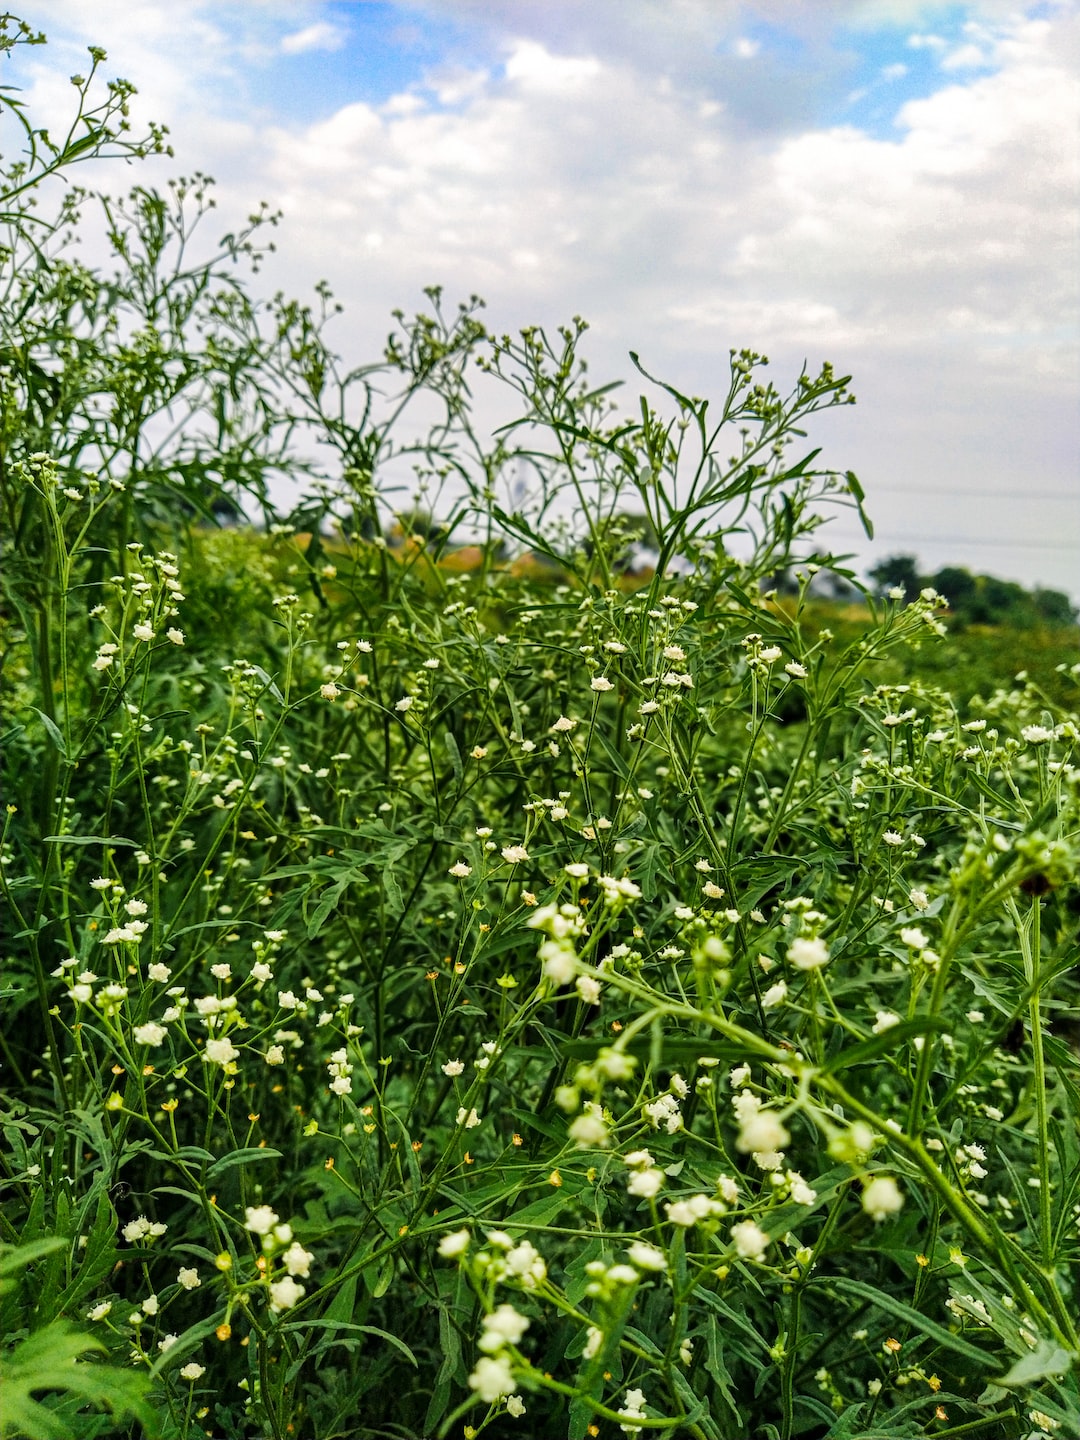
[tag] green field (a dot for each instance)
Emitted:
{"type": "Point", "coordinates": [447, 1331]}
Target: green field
{"type": "Point", "coordinates": [454, 992]}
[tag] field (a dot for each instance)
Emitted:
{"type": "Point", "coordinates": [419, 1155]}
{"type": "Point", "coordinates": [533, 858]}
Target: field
{"type": "Point", "coordinates": [541, 996]}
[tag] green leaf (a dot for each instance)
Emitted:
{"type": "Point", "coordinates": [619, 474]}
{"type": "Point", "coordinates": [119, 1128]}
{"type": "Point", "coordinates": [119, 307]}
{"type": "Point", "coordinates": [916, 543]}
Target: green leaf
{"type": "Point", "coordinates": [341, 1328]}
{"type": "Point", "coordinates": [1045, 1360]}
{"type": "Point", "coordinates": [455, 756]}
{"type": "Point", "coordinates": [897, 1310]}
{"type": "Point", "coordinates": [858, 495]}
{"type": "Point", "coordinates": [50, 1360]}
{"type": "Point", "coordinates": [53, 729]}
{"type": "Point", "coordinates": [890, 1039]}
{"type": "Point", "coordinates": [249, 1156]}
{"type": "Point", "coordinates": [13, 1260]}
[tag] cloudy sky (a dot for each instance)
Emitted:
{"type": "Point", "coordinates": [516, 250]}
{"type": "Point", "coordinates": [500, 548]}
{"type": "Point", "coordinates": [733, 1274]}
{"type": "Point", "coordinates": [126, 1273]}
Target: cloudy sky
{"type": "Point", "coordinates": [886, 184]}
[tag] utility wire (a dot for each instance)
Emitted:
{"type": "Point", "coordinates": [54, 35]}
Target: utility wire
{"type": "Point", "coordinates": [967, 494]}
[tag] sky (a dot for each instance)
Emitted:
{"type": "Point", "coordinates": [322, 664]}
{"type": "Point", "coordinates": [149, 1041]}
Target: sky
{"type": "Point", "coordinates": [889, 185]}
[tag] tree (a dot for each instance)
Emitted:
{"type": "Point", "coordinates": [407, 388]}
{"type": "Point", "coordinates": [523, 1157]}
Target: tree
{"type": "Point", "coordinates": [897, 571]}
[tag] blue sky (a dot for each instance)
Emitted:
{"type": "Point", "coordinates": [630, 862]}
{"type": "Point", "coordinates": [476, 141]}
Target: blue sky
{"type": "Point", "coordinates": [886, 184]}
{"type": "Point", "coordinates": [836, 74]}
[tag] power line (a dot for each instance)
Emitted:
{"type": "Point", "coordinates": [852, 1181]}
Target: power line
{"type": "Point", "coordinates": [965, 494]}
{"type": "Point", "coordinates": [970, 540]}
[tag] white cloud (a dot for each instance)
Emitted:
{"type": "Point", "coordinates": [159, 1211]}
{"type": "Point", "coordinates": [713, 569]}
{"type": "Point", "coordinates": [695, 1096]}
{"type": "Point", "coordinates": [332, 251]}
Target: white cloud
{"type": "Point", "coordinates": [320, 36]}
{"type": "Point", "coordinates": [746, 48]}
{"type": "Point", "coordinates": [535, 68]}
{"type": "Point", "coordinates": [965, 57]}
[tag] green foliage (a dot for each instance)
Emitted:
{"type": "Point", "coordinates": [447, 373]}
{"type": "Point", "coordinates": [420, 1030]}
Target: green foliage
{"type": "Point", "coordinates": [49, 1362]}
{"type": "Point", "coordinates": [978, 599]}
{"type": "Point", "coordinates": [502, 989]}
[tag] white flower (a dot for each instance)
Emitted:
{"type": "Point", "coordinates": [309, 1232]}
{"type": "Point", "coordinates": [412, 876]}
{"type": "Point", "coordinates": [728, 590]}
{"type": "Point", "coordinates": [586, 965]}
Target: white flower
{"type": "Point", "coordinates": [188, 1279]}
{"type": "Point", "coordinates": [728, 1188]}
{"type": "Point", "coordinates": [588, 1131]}
{"type": "Point", "coordinates": [808, 954]}
{"type": "Point", "coordinates": [892, 837]}
{"type": "Point", "coordinates": [100, 1311]}
{"type": "Point", "coordinates": [919, 899]}
{"type": "Point", "coordinates": [646, 1257]}
{"type": "Point", "coordinates": [469, 1118]}
{"type": "Point", "coordinates": [260, 1219]}
{"type": "Point", "coordinates": [686, 1213]}
{"type": "Point", "coordinates": [563, 725]}
{"type": "Point", "coordinates": [454, 1244]}
{"type": "Point", "coordinates": [124, 934]}
{"type": "Point", "coordinates": [760, 1130]}
{"type": "Point", "coordinates": [1036, 734]}
{"type": "Point", "coordinates": [801, 1192]}
{"type": "Point", "coordinates": [492, 1378]}
{"type": "Point", "coordinates": [664, 1111]}
{"type": "Point", "coordinates": [160, 973]}
{"type": "Point", "coordinates": [149, 1034]}
{"type": "Point", "coordinates": [404, 703]}
{"type": "Point", "coordinates": [593, 1340]}
{"type": "Point", "coordinates": [220, 1052]}
{"type": "Point", "coordinates": [882, 1197]}
{"type": "Point", "coordinates": [515, 1406]}
{"type": "Point", "coordinates": [618, 890]}
{"type": "Point", "coordinates": [559, 961]}
{"type": "Point", "coordinates": [739, 1076]}
{"type": "Point", "coordinates": [526, 1262]}
{"type": "Point", "coordinates": [884, 1020]}
{"type": "Point", "coordinates": [633, 1409]}
{"type": "Point", "coordinates": [600, 684]}
{"type": "Point", "coordinates": [460, 871]}
{"type": "Point", "coordinates": [176, 636]}
{"type": "Point", "coordinates": [192, 1371]}
{"type": "Point", "coordinates": [796, 670]}
{"type": "Point", "coordinates": [588, 988]}
{"type": "Point", "coordinates": [514, 854]}
{"type": "Point", "coordinates": [284, 1294]}
{"type": "Point", "coordinates": [143, 632]}
{"type": "Point", "coordinates": [297, 1260]}
{"type": "Point", "coordinates": [505, 1326]}
{"type": "Point", "coordinates": [275, 1055]}
{"type": "Point", "coordinates": [775, 995]}
{"type": "Point", "coordinates": [453, 1067]}
{"type": "Point", "coordinates": [577, 871]}
{"type": "Point", "coordinates": [750, 1240]}
{"type": "Point", "coordinates": [913, 936]}
{"type": "Point", "coordinates": [645, 1183]}
{"type": "Point", "coordinates": [329, 691]}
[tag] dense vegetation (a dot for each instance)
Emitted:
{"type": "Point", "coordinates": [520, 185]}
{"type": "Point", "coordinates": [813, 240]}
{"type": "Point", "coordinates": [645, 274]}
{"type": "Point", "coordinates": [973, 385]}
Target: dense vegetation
{"type": "Point", "coordinates": [502, 991]}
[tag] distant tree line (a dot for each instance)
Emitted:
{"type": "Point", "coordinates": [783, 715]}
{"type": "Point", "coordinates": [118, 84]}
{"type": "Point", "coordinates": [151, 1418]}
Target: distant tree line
{"type": "Point", "coordinates": [976, 599]}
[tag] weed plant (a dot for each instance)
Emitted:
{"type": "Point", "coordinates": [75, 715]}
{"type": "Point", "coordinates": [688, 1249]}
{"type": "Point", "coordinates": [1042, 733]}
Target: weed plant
{"type": "Point", "coordinates": [546, 998]}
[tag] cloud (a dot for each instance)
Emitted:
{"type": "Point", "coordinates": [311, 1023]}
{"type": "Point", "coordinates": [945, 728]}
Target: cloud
{"type": "Point", "coordinates": [320, 36]}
